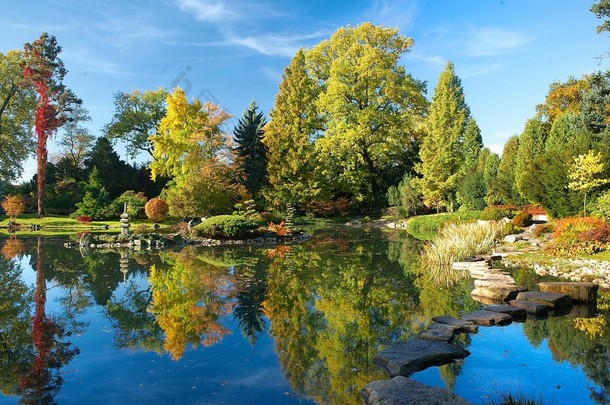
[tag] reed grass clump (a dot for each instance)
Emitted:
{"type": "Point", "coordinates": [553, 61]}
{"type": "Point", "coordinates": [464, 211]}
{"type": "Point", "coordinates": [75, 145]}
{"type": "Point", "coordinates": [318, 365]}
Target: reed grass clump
{"type": "Point", "coordinates": [457, 241]}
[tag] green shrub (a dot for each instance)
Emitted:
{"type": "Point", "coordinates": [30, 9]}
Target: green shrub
{"type": "Point", "coordinates": [523, 220]}
{"type": "Point", "coordinates": [225, 226]}
{"type": "Point", "coordinates": [495, 213]}
{"type": "Point", "coordinates": [135, 205]}
{"type": "Point", "coordinates": [601, 208]}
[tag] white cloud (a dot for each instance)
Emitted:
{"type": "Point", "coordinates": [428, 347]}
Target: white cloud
{"type": "Point", "coordinates": [207, 10]}
{"type": "Point", "coordinates": [399, 14]}
{"type": "Point", "coordinates": [433, 60]}
{"type": "Point", "coordinates": [490, 41]}
{"type": "Point", "coordinates": [479, 70]}
{"type": "Point", "coordinates": [274, 45]}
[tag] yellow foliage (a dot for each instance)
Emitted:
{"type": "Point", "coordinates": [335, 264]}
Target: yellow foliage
{"type": "Point", "coordinates": [593, 327]}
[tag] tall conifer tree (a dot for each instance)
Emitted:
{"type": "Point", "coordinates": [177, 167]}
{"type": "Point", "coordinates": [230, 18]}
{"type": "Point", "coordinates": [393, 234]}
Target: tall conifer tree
{"type": "Point", "coordinates": [473, 143]}
{"type": "Point", "coordinates": [289, 136]}
{"type": "Point", "coordinates": [251, 152]}
{"type": "Point", "coordinates": [441, 151]}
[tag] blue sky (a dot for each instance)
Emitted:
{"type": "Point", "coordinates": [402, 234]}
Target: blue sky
{"type": "Point", "coordinates": [506, 52]}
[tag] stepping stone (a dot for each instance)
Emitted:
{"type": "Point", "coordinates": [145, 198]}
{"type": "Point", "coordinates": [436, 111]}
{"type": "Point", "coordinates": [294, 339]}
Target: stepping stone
{"type": "Point", "coordinates": [406, 358]}
{"type": "Point", "coordinates": [578, 291]}
{"type": "Point", "coordinates": [486, 283]}
{"type": "Point", "coordinates": [487, 301]}
{"type": "Point", "coordinates": [514, 312]}
{"type": "Point", "coordinates": [404, 391]}
{"type": "Point", "coordinates": [550, 299]}
{"type": "Point", "coordinates": [487, 318]}
{"type": "Point", "coordinates": [534, 308]}
{"type": "Point", "coordinates": [469, 265]}
{"type": "Point", "coordinates": [499, 293]}
{"type": "Point", "coordinates": [439, 331]}
{"type": "Point", "coordinates": [465, 326]}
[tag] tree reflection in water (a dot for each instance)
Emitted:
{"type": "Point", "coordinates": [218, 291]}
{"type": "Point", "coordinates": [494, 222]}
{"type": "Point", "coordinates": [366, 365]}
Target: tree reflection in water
{"type": "Point", "coordinates": [50, 352]}
{"type": "Point", "coordinates": [329, 305]}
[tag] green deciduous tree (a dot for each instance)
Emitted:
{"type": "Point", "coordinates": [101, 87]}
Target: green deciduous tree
{"type": "Point", "coordinates": [75, 143]}
{"type": "Point", "coordinates": [441, 150]}
{"type": "Point", "coordinates": [46, 72]}
{"type": "Point", "coordinates": [250, 151]}
{"type": "Point", "coordinates": [291, 164]}
{"type": "Point", "coordinates": [371, 108]}
{"type": "Point", "coordinates": [136, 118]}
{"type": "Point", "coordinates": [17, 103]}
{"type": "Point", "coordinates": [584, 174]}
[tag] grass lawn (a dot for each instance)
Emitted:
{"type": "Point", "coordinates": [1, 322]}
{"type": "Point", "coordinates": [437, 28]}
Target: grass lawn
{"type": "Point", "coordinates": [58, 224]}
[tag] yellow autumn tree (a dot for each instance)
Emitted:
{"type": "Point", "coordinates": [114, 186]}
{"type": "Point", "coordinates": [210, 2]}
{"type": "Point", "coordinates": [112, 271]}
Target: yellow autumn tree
{"type": "Point", "coordinates": [584, 174]}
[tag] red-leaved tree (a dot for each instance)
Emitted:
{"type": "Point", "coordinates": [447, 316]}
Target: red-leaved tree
{"type": "Point", "coordinates": [55, 101]}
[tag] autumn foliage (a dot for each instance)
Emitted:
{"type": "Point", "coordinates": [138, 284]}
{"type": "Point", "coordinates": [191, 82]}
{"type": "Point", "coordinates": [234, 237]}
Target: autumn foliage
{"type": "Point", "coordinates": [13, 205]}
{"type": "Point", "coordinates": [580, 236]}
{"type": "Point", "coordinates": [156, 210]}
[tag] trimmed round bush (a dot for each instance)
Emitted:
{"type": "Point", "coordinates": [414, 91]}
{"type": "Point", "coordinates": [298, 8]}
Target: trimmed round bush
{"type": "Point", "coordinates": [225, 227]}
{"type": "Point", "coordinates": [156, 209]}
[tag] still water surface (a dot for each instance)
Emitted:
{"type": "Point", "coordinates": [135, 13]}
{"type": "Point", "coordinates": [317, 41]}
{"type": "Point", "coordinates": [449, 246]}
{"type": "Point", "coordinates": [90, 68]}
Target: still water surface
{"type": "Point", "coordinates": [290, 325]}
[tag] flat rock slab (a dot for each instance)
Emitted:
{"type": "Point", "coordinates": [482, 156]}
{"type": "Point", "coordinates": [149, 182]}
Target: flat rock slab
{"type": "Point", "coordinates": [469, 265]}
{"type": "Point", "coordinates": [487, 301]}
{"type": "Point", "coordinates": [503, 293]}
{"type": "Point", "coordinates": [404, 391]}
{"type": "Point", "coordinates": [550, 299]}
{"type": "Point", "coordinates": [532, 307]}
{"type": "Point", "coordinates": [439, 331]}
{"type": "Point", "coordinates": [494, 283]}
{"type": "Point", "coordinates": [465, 326]}
{"type": "Point", "coordinates": [406, 358]}
{"type": "Point", "coordinates": [514, 312]}
{"type": "Point", "coordinates": [487, 318]}
{"type": "Point", "coordinates": [578, 291]}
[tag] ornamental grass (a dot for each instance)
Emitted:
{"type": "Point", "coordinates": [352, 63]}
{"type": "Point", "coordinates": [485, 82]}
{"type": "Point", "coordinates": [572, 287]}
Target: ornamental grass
{"type": "Point", "coordinates": [454, 243]}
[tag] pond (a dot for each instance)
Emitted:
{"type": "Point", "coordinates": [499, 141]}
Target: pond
{"type": "Point", "coordinates": [295, 324]}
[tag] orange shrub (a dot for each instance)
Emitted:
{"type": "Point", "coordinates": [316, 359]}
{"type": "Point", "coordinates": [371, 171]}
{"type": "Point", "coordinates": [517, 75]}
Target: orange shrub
{"type": "Point", "coordinates": [156, 209]}
{"type": "Point", "coordinates": [578, 224]}
{"type": "Point", "coordinates": [13, 205]}
{"type": "Point", "coordinates": [580, 236]}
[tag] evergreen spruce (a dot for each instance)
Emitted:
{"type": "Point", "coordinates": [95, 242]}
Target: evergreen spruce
{"type": "Point", "coordinates": [251, 151]}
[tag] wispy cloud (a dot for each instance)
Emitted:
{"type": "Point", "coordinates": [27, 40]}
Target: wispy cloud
{"type": "Point", "coordinates": [488, 41]}
{"type": "Point", "coordinates": [399, 14]}
{"type": "Point", "coordinates": [273, 44]}
{"type": "Point", "coordinates": [481, 69]}
{"type": "Point", "coordinates": [433, 60]}
{"type": "Point", "coordinates": [91, 63]}
{"type": "Point", "coordinates": [208, 10]}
